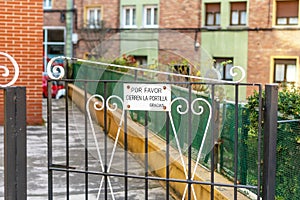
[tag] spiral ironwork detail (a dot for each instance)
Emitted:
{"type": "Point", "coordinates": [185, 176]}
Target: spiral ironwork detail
{"type": "Point", "coordinates": [179, 107]}
{"type": "Point", "coordinates": [55, 72]}
{"type": "Point", "coordinates": [6, 70]}
{"type": "Point", "coordinates": [233, 74]}
{"type": "Point", "coordinates": [113, 106]}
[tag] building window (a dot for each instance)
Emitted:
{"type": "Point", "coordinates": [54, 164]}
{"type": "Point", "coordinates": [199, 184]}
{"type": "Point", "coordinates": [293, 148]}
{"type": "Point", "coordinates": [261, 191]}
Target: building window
{"type": "Point", "coordinates": [285, 70]}
{"type": "Point", "coordinates": [150, 16]}
{"type": "Point", "coordinates": [224, 65]}
{"type": "Point", "coordinates": [141, 61]}
{"type": "Point", "coordinates": [93, 17]}
{"type": "Point", "coordinates": [212, 14]}
{"type": "Point", "coordinates": [47, 4]}
{"type": "Point", "coordinates": [54, 44]}
{"type": "Point", "coordinates": [238, 12]}
{"type": "Point", "coordinates": [129, 16]}
{"type": "Point", "coordinates": [287, 12]}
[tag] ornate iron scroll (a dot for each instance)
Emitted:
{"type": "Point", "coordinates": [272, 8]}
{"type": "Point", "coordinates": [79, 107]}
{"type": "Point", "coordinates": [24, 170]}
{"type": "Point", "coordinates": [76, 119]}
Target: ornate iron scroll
{"type": "Point", "coordinates": [6, 70]}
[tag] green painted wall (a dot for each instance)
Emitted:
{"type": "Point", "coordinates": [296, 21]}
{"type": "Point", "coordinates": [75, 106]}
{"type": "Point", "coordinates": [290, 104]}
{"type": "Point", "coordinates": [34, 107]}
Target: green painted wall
{"type": "Point", "coordinates": [69, 29]}
{"type": "Point", "coordinates": [136, 41]}
{"type": "Point", "coordinates": [227, 41]}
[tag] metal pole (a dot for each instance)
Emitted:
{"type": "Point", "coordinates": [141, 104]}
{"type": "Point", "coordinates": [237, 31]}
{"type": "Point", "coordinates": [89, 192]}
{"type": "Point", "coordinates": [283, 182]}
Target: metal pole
{"type": "Point", "coordinates": [15, 169]}
{"type": "Point", "coordinates": [270, 137]}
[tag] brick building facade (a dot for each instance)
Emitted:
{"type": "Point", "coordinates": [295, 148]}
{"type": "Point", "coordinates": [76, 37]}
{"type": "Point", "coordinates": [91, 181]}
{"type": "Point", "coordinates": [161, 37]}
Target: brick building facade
{"type": "Point", "coordinates": [269, 42]}
{"type": "Point", "coordinates": [261, 42]}
{"type": "Point", "coordinates": [21, 37]}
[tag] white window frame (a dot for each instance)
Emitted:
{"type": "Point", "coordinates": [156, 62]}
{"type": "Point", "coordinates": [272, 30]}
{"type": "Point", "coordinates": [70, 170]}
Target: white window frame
{"type": "Point", "coordinates": [88, 17]}
{"type": "Point", "coordinates": [212, 17]}
{"type": "Point", "coordinates": [223, 66]}
{"type": "Point", "coordinates": [286, 21]}
{"type": "Point", "coordinates": [285, 72]}
{"type": "Point", "coordinates": [132, 17]}
{"type": "Point", "coordinates": [47, 4]}
{"type": "Point", "coordinates": [46, 42]}
{"type": "Point", "coordinates": [152, 8]}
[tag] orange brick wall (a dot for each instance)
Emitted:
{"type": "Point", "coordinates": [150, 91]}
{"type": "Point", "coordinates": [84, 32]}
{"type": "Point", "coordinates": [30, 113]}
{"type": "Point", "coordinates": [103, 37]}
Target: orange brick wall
{"type": "Point", "coordinates": [175, 45]}
{"type": "Point", "coordinates": [53, 18]}
{"type": "Point", "coordinates": [21, 36]}
{"type": "Point", "coordinates": [110, 15]}
{"type": "Point", "coordinates": [267, 41]}
{"type": "Point", "coordinates": [179, 14]}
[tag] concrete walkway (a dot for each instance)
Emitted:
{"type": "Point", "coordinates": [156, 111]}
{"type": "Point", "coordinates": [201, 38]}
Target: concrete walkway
{"type": "Point", "coordinates": [37, 174]}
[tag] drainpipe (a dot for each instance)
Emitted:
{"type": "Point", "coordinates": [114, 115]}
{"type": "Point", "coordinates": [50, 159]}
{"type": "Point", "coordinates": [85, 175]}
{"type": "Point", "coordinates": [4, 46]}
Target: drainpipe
{"type": "Point", "coordinates": [69, 29]}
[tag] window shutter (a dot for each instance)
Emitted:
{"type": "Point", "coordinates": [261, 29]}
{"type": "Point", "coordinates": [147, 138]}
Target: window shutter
{"type": "Point", "coordinates": [238, 6]}
{"type": "Point", "coordinates": [287, 9]}
{"type": "Point", "coordinates": [212, 7]}
{"type": "Point", "coordinates": [285, 61]}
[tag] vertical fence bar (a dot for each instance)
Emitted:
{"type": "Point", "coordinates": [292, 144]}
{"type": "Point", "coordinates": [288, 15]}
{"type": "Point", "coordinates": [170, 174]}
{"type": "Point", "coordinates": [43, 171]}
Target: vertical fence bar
{"type": "Point", "coordinates": [190, 142]}
{"type": "Point", "coordinates": [270, 137]}
{"type": "Point", "coordinates": [167, 155]}
{"type": "Point", "coordinates": [236, 139]}
{"type": "Point", "coordinates": [86, 143]}
{"type": "Point", "coordinates": [216, 129]}
{"type": "Point", "coordinates": [125, 156]}
{"type": "Point", "coordinates": [146, 155]}
{"type": "Point", "coordinates": [67, 142]}
{"type": "Point", "coordinates": [15, 161]}
{"type": "Point", "coordinates": [259, 141]}
{"type": "Point", "coordinates": [212, 122]}
{"type": "Point", "coordinates": [105, 140]}
{"type": "Point", "coordinates": [49, 140]}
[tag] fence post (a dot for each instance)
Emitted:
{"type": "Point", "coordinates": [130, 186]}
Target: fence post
{"type": "Point", "coordinates": [15, 161]}
{"type": "Point", "coordinates": [270, 137]}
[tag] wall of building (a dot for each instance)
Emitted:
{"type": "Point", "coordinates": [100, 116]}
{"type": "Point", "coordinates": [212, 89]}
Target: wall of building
{"type": "Point", "coordinates": [264, 46]}
{"type": "Point", "coordinates": [21, 23]}
{"type": "Point", "coordinates": [53, 18]}
{"type": "Point", "coordinates": [110, 16]}
{"type": "Point", "coordinates": [179, 21]}
{"type": "Point", "coordinates": [225, 41]}
{"type": "Point", "coordinates": [180, 14]}
{"type": "Point", "coordinates": [138, 41]}
{"type": "Point", "coordinates": [182, 25]}
{"type": "Point", "coordinates": [269, 42]}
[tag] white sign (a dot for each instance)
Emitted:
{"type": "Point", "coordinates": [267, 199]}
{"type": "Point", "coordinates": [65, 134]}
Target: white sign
{"type": "Point", "coordinates": [149, 97]}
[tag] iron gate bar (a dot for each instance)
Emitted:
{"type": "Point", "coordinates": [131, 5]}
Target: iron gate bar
{"type": "Point", "coordinates": [146, 154]}
{"type": "Point", "coordinates": [153, 178]}
{"type": "Point", "coordinates": [125, 155]}
{"type": "Point", "coordinates": [189, 142]}
{"type": "Point", "coordinates": [168, 152]}
{"type": "Point", "coordinates": [167, 155]}
{"type": "Point", "coordinates": [86, 142]}
{"type": "Point", "coordinates": [105, 139]}
{"type": "Point", "coordinates": [49, 140]}
{"type": "Point", "coordinates": [236, 139]}
{"type": "Point", "coordinates": [260, 110]}
{"type": "Point", "coordinates": [67, 141]}
{"type": "Point", "coordinates": [212, 122]}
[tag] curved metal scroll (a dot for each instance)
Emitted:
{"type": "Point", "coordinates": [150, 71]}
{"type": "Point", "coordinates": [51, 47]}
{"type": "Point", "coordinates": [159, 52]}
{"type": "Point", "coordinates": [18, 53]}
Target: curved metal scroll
{"type": "Point", "coordinates": [55, 72]}
{"type": "Point", "coordinates": [111, 107]}
{"type": "Point", "coordinates": [6, 70]}
{"type": "Point", "coordinates": [198, 113]}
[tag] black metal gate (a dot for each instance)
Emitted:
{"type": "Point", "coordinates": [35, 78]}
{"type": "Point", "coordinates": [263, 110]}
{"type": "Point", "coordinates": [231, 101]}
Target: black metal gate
{"type": "Point", "coordinates": [154, 154]}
